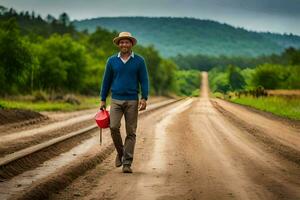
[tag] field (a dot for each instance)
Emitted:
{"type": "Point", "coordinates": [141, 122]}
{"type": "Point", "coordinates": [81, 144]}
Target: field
{"type": "Point", "coordinates": [279, 105]}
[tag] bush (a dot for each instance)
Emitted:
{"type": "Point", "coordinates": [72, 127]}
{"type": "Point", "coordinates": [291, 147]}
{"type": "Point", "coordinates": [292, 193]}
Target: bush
{"type": "Point", "coordinates": [71, 99]}
{"type": "Point", "coordinates": [187, 81]}
{"type": "Point", "coordinates": [196, 93]}
{"type": "Point", "coordinates": [268, 76]}
{"type": "Point", "coordinates": [40, 96]}
{"type": "Point", "coordinates": [56, 97]}
{"type": "Point", "coordinates": [218, 95]}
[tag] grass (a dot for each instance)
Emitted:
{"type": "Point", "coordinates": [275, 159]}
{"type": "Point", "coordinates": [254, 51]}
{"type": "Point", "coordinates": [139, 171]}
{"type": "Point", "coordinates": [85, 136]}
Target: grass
{"type": "Point", "coordinates": [86, 103]}
{"type": "Point", "coordinates": [281, 106]}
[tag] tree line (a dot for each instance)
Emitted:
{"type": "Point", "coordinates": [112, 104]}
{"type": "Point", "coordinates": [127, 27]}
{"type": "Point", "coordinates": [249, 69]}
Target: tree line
{"type": "Point", "coordinates": [280, 72]}
{"type": "Point", "coordinates": [289, 56]}
{"type": "Point", "coordinates": [50, 55]}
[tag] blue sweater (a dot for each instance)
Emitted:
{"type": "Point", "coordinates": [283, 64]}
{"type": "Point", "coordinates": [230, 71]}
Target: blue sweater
{"type": "Point", "coordinates": [124, 79]}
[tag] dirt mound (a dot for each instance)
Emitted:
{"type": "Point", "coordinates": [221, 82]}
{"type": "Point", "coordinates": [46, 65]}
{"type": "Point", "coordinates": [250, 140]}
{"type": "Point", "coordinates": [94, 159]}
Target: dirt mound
{"type": "Point", "coordinates": [8, 116]}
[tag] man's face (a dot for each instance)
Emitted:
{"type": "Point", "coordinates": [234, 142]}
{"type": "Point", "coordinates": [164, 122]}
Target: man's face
{"type": "Point", "coordinates": [125, 45]}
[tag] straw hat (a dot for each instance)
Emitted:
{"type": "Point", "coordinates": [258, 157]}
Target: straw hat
{"type": "Point", "coordinates": [124, 35]}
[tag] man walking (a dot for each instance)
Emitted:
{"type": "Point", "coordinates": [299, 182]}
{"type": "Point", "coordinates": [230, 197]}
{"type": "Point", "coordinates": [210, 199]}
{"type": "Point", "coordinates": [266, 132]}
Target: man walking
{"type": "Point", "coordinates": [124, 74]}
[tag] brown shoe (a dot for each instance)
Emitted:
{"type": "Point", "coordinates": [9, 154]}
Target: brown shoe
{"type": "Point", "coordinates": [126, 169]}
{"type": "Point", "coordinates": [118, 161]}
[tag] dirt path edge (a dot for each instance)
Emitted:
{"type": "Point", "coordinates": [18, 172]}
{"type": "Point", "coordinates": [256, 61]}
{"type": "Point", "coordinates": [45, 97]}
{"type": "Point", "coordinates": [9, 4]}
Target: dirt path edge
{"type": "Point", "coordinates": [54, 183]}
{"type": "Point", "coordinates": [258, 134]}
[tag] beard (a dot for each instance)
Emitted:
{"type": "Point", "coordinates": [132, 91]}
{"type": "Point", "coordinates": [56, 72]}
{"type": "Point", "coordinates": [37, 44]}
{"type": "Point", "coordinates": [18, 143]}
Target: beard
{"type": "Point", "coordinates": [125, 50]}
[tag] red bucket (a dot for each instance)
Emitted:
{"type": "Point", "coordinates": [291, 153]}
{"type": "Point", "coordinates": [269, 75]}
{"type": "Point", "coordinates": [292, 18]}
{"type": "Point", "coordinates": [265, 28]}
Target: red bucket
{"type": "Point", "coordinates": [102, 119]}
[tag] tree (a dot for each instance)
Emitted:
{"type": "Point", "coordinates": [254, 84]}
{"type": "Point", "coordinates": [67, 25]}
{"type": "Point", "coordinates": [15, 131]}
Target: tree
{"type": "Point", "coordinates": [102, 39]}
{"type": "Point", "coordinates": [39, 18]}
{"type": "Point", "coordinates": [50, 19]}
{"type": "Point", "coordinates": [15, 56]}
{"type": "Point", "coordinates": [32, 15]}
{"type": "Point", "coordinates": [236, 80]}
{"type": "Point", "coordinates": [64, 19]}
{"type": "Point", "coordinates": [293, 80]}
{"type": "Point", "coordinates": [292, 56]}
{"type": "Point", "coordinates": [153, 60]}
{"type": "Point", "coordinates": [27, 15]}
{"type": "Point", "coordinates": [3, 10]}
{"type": "Point", "coordinates": [218, 80]}
{"type": "Point", "coordinates": [267, 76]}
{"type": "Point", "coordinates": [187, 82]}
{"type": "Point", "coordinates": [12, 12]}
{"type": "Point", "coordinates": [62, 64]}
{"type": "Point", "coordinates": [166, 76]}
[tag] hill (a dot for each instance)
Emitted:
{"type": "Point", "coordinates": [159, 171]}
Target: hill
{"type": "Point", "coordinates": [184, 36]}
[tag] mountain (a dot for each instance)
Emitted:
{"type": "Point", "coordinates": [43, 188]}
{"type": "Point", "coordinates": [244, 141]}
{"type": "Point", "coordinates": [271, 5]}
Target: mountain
{"type": "Point", "coordinates": [172, 36]}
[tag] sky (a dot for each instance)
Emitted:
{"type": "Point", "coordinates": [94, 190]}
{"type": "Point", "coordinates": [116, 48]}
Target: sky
{"type": "Point", "coordinates": [277, 16]}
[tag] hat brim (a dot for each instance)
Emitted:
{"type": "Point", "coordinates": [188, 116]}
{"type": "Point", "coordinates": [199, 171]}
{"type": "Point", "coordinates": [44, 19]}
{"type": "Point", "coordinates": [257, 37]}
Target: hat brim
{"type": "Point", "coordinates": [117, 39]}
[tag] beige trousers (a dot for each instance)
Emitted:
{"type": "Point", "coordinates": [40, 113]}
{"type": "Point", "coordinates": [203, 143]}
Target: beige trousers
{"type": "Point", "coordinates": [128, 108]}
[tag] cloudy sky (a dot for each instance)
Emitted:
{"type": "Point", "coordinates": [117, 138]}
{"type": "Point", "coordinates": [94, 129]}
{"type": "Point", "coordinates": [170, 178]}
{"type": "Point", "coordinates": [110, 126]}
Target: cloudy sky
{"type": "Point", "coordinates": [281, 16]}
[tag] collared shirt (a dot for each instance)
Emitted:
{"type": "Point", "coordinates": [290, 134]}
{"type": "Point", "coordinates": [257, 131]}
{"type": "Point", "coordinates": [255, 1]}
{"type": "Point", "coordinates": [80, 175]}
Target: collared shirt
{"type": "Point", "coordinates": [125, 60]}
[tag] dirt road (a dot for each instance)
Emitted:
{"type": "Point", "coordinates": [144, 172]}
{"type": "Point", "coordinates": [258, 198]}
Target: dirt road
{"type": "Point", "coordinates": [196, 150]}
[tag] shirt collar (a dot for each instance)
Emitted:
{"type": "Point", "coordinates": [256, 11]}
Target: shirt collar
{"type": "Point", "coordinates": [131, 55]}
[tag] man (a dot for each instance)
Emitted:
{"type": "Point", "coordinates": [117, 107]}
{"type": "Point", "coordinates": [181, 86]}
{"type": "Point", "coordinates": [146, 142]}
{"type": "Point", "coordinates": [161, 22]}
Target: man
{"type": "Point", "coordinates": [124, 74]}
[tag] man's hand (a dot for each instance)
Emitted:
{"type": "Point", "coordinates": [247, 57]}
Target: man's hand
{"type": "Point", "coordinates": [103, 105]}
{"type": "Point", "coordinates": [143, 105]}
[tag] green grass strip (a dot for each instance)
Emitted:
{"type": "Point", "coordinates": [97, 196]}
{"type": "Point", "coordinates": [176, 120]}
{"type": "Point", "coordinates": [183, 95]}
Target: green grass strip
{"type": "Point", "coordinates": [282, 106]}
{"type": "Point", "coordinates": [87, 102]}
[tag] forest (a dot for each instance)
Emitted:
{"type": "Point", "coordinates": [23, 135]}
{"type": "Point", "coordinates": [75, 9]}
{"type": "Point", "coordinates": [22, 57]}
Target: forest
{"type": "Point", "coordinates": [50, 56]}
{"type": "Point", "coordinates": [190, 36]}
